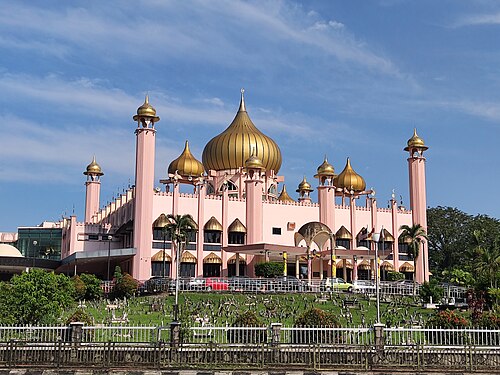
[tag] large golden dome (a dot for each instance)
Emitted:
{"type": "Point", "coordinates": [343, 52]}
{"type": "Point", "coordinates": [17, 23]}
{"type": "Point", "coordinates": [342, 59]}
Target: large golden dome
{"type": "Point", "coordinates": [186, 164]}
{"type": "Point", "coordinates": [349, 179]}
{"type": "Point", "coordinates": [235, 145]}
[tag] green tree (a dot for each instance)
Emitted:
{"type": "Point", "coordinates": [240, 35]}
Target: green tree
{"type": "Point", "coordinates": [449, 233]}
{"type": "Point", "coordinates": [487, 264]}
{"type": "Point", "coordinates": [269, 269]}
{"type": "Point", "coordinates": [415, 236]}
{"type": "Point", "coordinates": [125, 287]}
{"type": "Point", "coordinates": [93, 288]}
{"type": "Point", "coordinates": [35, 297]}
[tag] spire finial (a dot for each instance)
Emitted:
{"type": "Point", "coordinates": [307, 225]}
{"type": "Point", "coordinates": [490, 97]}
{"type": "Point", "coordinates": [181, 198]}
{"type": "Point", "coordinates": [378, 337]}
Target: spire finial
{"type": "Point", "coordinates": [242, 101]}
{"type": "Point", "coordinates": [146, 100]}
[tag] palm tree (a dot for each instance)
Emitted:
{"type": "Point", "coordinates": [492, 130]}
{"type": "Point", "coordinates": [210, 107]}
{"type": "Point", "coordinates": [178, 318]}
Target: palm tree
{"type": "Point", "coordinates": [488, 258]}
{"type": "Point", "coordinates": [415, 236]}
{"type": "Point", "coordinates": [178, 228]}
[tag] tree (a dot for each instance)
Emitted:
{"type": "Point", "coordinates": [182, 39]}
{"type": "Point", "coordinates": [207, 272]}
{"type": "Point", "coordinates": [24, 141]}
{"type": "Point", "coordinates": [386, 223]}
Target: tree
{"type": "Point", "coordinates": [449, 233]}
{"type": "Point", "coordinates": [35, 297]}
{"type": "Point", "coordinates": [487, 263]}
{"type": "Point", "coordinates": [93, 288]}
{"type": "Point", "coordinates": [178, 228]}
{"type": "Point", "coordinates": [414, 235]}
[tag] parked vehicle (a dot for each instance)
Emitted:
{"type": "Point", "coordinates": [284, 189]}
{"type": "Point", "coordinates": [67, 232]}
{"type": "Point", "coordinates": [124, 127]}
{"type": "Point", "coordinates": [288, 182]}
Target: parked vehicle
{"type": "Point", "coordinates": [157, 284]}
{"type": "Point", "coordinates": [215, 283]}
{"type": "Point", "coordinates": [286, 284]}
{"type": "Point", "coordinates": [335, 283]}
{"type": "Point", "coordinates": [363, 286]}
{"type": "Point", "coordinates": [197, 283]}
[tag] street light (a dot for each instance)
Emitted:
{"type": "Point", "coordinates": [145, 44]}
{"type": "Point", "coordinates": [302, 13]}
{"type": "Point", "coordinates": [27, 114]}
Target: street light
{"type": "Point", "coordinates": [109, 254]}
{"type": "Point", "coordinates": [34, 244]}
{"type": "Point", "coordinates": [376, 238]}
{"type": "Point", "coordinates": [177, 269]}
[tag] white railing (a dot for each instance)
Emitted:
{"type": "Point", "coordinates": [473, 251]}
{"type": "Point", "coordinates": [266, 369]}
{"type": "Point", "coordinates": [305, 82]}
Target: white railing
{"type": "Point", "coordinates": [327, 336]}
{"type": "Point", "coordinates": [442, 337]}
{"type": "Point", "coordinates": [34, 333]}
{"type": "Point", "coordinates": [125, 334]}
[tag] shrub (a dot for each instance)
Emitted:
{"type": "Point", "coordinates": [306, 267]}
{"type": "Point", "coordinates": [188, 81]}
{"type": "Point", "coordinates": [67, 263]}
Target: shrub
{"type": "Point", "coordinates": [431, 289]}
{"type": "Point", "coordinates": [490, 320]}
{"type": "Point", "coordinates": [318, 318]}
{"type": "Point", "coordinates": [125, 287]}
{"type": "Point", "coordinates": [269, 269]}
{"type": "Point", "coordinates": [93, 288]}
{"type": "Point", "coordinates": [315, 317]}
{"type": "Point", "coordinates": [247, 319]}
{"type": "Point", "coordinates": [395, 276]}
{"type": "Point", "coordinates": [80, 316]}
{"type": "Point", "coordinates": [79, 286]}
{"type": "Point", "coordinates": [448, 319]}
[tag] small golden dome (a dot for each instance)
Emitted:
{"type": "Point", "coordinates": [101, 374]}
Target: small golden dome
{"type": "Point", "coordinates": [325, 169]}
{"type": "Point", "coordinates": [284, 197]}
{"type": "Point", "coordinates": [232, 148]}
{"type": "Point", "coordinates": [343, 234]}
{"type": "Point", "coordinates": [161, 222]}
{"type": "Point", "coordinates": [186, 164]}
{"type": "Point", "coordinates": [349, 179]}
{"type": "Point", "coordinates": [304, 186]}
{"type": "Point", "coordinates": [253, 162]}
{"type": "Point", "coordinates": [415, 142]}
{"type": "Point", "coordinates": [146, 111]}
{"type": "Point", "coordinates": [237, 226]}
{"type": "Point", "coordinates": [93, 169]}
{"type": "Point", "coordinates": [213, 224]}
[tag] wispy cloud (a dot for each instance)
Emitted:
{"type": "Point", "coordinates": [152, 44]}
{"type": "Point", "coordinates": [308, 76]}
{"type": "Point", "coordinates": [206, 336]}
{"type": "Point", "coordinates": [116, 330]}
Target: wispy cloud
{"type": "Point", "coordinates": [478, 19]}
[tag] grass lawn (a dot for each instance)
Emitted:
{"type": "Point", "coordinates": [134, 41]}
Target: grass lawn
{"type": "Point", "coordinates": [221, 309]}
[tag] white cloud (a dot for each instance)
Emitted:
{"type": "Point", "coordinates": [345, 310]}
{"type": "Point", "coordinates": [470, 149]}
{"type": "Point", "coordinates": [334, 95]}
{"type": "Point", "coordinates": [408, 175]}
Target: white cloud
{"type": "Point", "coordinates": [478, 19]}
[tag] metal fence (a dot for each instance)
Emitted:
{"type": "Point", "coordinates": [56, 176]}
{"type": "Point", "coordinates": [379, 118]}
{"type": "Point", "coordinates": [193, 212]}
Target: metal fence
{"type": "Point", "coordinates": [442, 337]}
{"type": "Point", "coordinates": [29, 333]}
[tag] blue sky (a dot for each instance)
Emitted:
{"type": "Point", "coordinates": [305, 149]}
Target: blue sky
{"type": "Point", "coordinates": [341, 78]}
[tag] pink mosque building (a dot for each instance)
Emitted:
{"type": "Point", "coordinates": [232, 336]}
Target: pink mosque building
{"type": "Point", "coordinates": [243, 214]}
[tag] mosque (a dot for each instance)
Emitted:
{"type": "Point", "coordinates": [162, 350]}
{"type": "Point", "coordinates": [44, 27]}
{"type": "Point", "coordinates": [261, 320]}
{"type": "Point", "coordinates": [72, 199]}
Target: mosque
{"type": "Point", "coordinates": [243, 214]}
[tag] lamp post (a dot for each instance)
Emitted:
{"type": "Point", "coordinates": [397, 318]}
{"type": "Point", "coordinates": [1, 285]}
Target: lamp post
{"type": "Point", "coordinates": [376, 237]}
{"type": "Point", "coordinates": [109, 254]}
{"type": "Point", "coordinates": [34, 245]}
{"type": "Point", "coordinates": [178, 252]}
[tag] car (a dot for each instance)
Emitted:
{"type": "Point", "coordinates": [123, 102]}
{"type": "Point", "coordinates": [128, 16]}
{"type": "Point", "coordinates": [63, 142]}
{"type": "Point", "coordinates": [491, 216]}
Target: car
{"type": "Point", "coordinates": [216, 283]}
{"type": "Point", "coordinates": [363, 286]}
{"type": "Point", "coordinates": [335, 284]}
{"type": "Point", "coordinates": [286, 284]}
{"type": "Point", "coordinates": [196, 283]}
{"type": "Point", "coordinates": [157, 284]}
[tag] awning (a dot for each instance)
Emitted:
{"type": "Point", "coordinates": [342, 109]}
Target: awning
{"type": "Point", "coordinates": [232, 260]}
{"type": "Point", "coordinates": [158, 257]}
{"type": "Point", "coordinates": [348, 264]}
{"type": "Point", "coordinates": [187, 257]}
{"type": "Point", "coordinates": [364, 265]}
{"type": "Point", "coordinates": [212, 258]}
{"type": "Point", "coordinates": [387, 266]}
{"type": "Point", "coordinates": [407, 267]}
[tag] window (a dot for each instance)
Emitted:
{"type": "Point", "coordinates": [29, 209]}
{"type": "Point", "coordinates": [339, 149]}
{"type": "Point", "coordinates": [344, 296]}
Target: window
{"type": "Point", "coordinates": [236, 238]}
{"type": "Point", "coordinates": [344, 243]}
{"type": "Point", "coordinates": [276, 231]}
{"type": "Point", "coordinates": [212, 236]}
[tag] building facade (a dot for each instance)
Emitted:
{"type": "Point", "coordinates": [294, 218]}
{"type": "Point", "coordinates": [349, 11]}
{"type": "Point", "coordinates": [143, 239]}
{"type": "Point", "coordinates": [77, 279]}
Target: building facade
{"type": "Point", "coordinates": [243, 213]}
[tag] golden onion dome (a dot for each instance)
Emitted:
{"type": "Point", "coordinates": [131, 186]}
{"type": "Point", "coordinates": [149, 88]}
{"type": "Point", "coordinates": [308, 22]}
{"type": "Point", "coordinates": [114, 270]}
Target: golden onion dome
{"type": "Point", "coordinates": [237, 226]}
{"type": "Point", "coordinates": [213, 224]}
{"type": "Point", "coordinates": [161, 221]}
{"type": "Point", "coordinates": [231, 148]}
{"type": "Point", "coordinates": [93, 169]}
{"type": "Point", "coordinates": [343, 234]}
{"type": "Point", "coordinates": [304, 186]}
{"type": "Point", "coordinates": [284, 197]}
{"type": "Point", "coordinates": [146, 111]}
{"type": "Point", "coordinates": [415, 142]}
{"type": "Point", "coordinates": [325, 169]}
{"type": "Point", "coordinates": [253, 162]}
{"type": "Point", "coordinates": [349, 179]}
{"type": "Point", "coordinates": [186, 164]}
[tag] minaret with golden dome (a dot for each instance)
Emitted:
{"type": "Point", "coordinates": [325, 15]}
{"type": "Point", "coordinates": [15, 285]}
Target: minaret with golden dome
{"type": "Point", "coordinates": [92, 189]}
{"type": "Point", "coordinates": [254, 206]}
{"type": "Point", "coordinates": [186, 166]}
{"type": "Point", "coordinates": [144, 184]}
{"type": "Point", "coordinates": [418, 198]}
{"type": "Point", "coordinates": [349, 180]}
{"type": "Point", "coordinates": [304, 189]}
{"type": "Point", "coordinates": [326, 194]}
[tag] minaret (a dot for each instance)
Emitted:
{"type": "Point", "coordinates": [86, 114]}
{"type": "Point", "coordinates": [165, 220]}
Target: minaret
{"type": "Point", "coordinates": [254, 206]}
{"type": "Point", "coordinates": [93, 189]}
{"type": "Point", "coordinates": [144, 188]}
{"type": "Point", "coordinates": [304, 191]}
{"type": "Point", "coordinates": [418, 199]}
{"type": "Point", "coordinates": [326, 194]}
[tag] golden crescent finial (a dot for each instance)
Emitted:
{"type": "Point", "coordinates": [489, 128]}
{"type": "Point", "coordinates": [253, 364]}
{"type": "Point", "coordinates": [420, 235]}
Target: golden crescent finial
{"type": "Point", "coordinates": [242, 101]}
